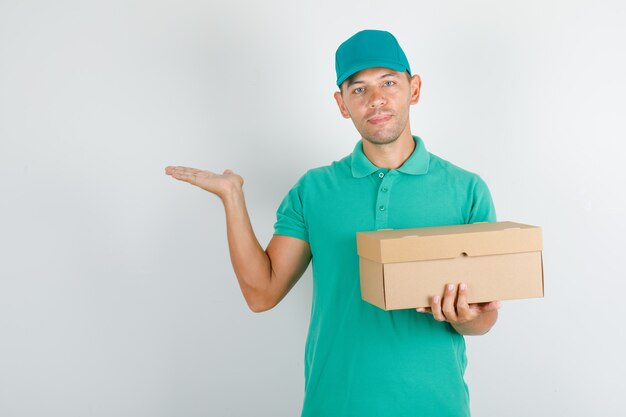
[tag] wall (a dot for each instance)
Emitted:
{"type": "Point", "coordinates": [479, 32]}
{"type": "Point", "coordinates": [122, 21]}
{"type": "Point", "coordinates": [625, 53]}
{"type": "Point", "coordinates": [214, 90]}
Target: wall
{"type": "Point", "coordinates": [116, 293]}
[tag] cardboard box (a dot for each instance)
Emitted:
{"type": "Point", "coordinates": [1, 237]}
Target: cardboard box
{"type": "Point", "coordinates": [403, 268]}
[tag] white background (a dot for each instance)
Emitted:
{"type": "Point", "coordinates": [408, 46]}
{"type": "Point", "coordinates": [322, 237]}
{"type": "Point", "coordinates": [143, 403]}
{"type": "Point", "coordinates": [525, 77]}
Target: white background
{"type": "Point", "coordinates": [117, 296]}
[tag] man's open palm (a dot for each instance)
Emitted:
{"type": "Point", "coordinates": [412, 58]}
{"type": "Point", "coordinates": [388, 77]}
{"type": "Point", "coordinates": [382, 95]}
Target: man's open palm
{"type": "Point", "coordinates": [218, 184]}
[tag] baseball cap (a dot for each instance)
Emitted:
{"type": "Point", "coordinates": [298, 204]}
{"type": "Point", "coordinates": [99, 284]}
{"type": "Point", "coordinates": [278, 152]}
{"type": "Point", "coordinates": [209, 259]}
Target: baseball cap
{"type": "Point", "coordinates": [369, 49]}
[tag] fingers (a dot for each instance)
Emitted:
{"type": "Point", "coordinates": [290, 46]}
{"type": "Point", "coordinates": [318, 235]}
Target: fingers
{"type": "Point", "coordinates": [448, 305]}
{"type": "Point", "coordinates": [464, 313]}
{"type": "Point", "coordinates": [453, 307]}
{"type": "Point", "coordinates": [435, 307]}
{"type": "Point", "coordinates": [169, 170]}
{"type": "Point", "coordinates": [190, 175]}
{"type": "Point", "coordinates": [187, 176]}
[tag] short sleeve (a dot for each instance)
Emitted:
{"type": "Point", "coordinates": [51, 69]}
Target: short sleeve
{"type": "Point", "coordinates": [482, 208]}
{"type": "Point", "coordinates": [290, 214]}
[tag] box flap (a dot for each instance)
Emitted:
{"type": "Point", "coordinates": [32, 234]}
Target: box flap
{"type": "Point", "coordinates": [443, 242]}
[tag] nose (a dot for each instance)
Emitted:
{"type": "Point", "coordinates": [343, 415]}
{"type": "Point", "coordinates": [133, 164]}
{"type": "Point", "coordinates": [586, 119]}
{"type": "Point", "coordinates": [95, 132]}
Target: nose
{"type": "Point", "coordinates": [377, 98]}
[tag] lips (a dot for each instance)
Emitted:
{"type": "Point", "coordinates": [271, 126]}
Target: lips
{"type": "Point", "coordinates": [379, 118]}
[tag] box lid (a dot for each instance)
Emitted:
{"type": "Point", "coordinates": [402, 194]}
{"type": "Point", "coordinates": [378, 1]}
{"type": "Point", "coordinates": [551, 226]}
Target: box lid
{"type": "Point", "coordinates": [443, 242]}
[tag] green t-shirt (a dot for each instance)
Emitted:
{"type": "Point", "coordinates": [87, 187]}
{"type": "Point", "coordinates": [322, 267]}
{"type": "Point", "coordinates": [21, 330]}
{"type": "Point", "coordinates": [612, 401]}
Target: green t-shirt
{"type": "Point", "coordinates": [360, 360]}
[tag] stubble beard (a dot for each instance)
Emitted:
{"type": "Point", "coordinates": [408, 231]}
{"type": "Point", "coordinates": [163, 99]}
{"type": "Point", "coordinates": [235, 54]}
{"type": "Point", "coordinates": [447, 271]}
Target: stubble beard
{"type": "Point", "coordinates": [385, 138]}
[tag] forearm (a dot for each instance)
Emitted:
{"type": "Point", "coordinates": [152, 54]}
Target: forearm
{"type": "Point", "coordinates": [250, 262]}
{"type": "Point", "coordinates": [479, 326]}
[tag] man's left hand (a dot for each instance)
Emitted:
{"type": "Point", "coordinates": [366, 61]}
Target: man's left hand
{"type": "Point", "coordinates": [476, 318]}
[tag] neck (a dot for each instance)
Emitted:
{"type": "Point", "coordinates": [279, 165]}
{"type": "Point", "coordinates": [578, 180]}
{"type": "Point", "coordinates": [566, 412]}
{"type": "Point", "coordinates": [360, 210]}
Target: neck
{"type": "Point", "coordinates": [390, 155]}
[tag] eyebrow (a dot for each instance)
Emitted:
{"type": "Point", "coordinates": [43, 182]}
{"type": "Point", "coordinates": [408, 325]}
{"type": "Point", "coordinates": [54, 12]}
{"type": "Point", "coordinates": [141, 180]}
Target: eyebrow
{"type": "Point", "coordinates": [352, 81]}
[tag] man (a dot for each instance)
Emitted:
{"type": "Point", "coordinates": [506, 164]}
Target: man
{"type": "Point", "coordinates": [360, 360]}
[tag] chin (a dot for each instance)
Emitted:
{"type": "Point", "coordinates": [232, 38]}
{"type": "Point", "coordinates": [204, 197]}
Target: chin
{"type": "Point", "coordinates": [383, 135]}
{"type": "Point", "coordinates": [381, 140]}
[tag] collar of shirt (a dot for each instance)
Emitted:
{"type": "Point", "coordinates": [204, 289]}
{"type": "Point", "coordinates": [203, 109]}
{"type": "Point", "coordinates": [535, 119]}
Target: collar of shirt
{"type": "Point", "coordinates": [416, 164]}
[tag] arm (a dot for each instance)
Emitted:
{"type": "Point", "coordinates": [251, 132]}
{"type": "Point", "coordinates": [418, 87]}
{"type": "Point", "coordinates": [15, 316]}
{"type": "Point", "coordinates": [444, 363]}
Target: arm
{"type": "Point", "coordinates": [264, 276]}
{"type": "Point", "coordinates": [467, 319]}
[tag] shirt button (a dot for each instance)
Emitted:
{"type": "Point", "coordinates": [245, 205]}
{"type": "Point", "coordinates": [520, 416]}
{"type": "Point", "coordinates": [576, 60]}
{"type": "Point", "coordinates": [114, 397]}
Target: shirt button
{"type": "Point", "coordinates": [381, 208]}
{"type": "Point", "coordinates": [381, 174]}
{"type": "Point", "coordinates": [384, 189]}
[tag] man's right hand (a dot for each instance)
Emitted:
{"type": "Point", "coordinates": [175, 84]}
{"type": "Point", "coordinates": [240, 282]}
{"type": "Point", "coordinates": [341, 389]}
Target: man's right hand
{"type": "Point", "coordinates": [218, 184]}
{"type": "Point", "coordinates": [265, 276]}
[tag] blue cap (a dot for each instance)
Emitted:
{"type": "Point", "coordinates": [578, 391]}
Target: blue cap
{"type": "Point", "coordinates": [369, 49]}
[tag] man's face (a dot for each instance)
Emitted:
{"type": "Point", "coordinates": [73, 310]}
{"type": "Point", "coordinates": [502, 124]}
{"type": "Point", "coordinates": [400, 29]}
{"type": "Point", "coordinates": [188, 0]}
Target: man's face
{"type": "Point", "coordinates": [378, 100]}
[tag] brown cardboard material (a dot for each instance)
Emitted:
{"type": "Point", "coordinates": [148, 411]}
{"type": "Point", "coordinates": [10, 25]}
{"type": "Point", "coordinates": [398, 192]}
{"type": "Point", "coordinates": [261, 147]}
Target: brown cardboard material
{"type": "Point", "coordinates": [403, 268]}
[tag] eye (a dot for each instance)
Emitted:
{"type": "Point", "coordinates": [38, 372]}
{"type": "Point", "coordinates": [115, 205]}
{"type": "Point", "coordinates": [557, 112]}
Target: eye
{"type": "Point", "coordinates": [389, 83]}
{"type": "Point", "coordinates": [358, 90]}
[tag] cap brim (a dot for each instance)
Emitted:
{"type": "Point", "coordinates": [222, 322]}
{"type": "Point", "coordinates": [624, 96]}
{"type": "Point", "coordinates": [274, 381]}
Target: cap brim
{"type": "Point", "coordinates": [370, 64]}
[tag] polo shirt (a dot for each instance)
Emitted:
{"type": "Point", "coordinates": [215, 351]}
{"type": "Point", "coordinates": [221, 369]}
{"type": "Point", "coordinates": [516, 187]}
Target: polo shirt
{"type": "Point", "coordinates": [359, 359]}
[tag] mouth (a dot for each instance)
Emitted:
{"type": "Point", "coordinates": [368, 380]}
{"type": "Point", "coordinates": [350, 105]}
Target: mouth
{"type": "Point", "coordinates": [379, 119]}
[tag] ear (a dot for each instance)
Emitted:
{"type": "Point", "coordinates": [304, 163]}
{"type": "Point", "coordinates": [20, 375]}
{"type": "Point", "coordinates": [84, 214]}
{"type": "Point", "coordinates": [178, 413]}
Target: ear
{"type": "Point", "coordinates": [416, 86]}
{"type": "Point", "coordinates": [342, 105]}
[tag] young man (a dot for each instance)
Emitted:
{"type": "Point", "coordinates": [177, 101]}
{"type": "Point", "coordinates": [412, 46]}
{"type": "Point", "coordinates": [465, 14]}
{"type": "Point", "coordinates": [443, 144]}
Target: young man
{"type": "Point", "coordinates": [360, 360]}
